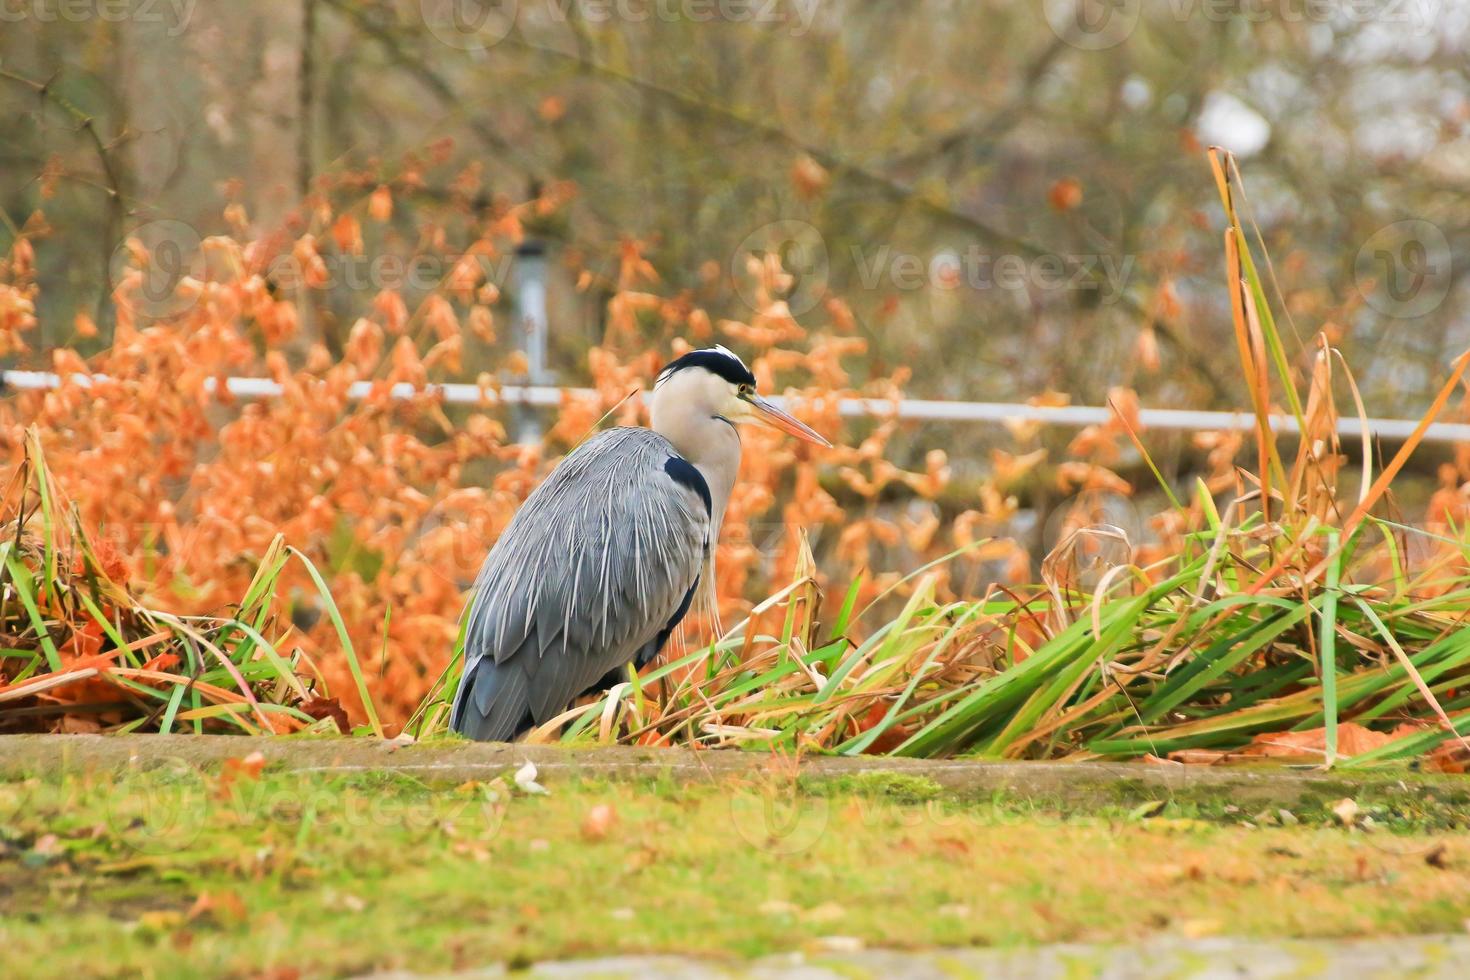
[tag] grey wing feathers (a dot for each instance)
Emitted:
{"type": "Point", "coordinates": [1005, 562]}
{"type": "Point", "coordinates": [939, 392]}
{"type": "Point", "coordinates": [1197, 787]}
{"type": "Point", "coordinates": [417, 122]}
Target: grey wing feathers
{"type": "Point", "coordinates": [591, 569]}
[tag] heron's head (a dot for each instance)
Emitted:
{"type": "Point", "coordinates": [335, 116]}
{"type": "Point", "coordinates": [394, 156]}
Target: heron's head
{"type": "Point", "coordinates": [714, 383]}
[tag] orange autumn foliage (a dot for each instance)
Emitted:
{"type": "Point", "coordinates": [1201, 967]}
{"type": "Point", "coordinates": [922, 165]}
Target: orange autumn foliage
{"type": "Point", "coordinates": [183, 484]}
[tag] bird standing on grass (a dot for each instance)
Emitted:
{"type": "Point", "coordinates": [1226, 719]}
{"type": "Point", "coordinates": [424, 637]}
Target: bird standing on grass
{"type": "Point", "coordinates": [600, 564]}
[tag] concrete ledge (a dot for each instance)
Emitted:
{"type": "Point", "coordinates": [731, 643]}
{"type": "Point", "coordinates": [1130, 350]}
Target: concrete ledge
{"type": "Point", "coordinates": [970, 779]}
{"type": "Point", "coordinates": [1424, 957]}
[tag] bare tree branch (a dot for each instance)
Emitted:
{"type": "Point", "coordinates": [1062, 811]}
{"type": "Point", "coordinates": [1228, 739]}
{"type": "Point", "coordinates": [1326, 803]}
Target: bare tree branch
{"type": "Point", "coordinates": [111, 173]}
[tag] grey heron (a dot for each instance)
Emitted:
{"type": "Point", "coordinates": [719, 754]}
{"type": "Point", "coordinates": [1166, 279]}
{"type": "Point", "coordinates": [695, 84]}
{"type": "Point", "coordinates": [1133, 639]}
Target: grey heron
{"type": "Point", "coordinates": [601, 562]}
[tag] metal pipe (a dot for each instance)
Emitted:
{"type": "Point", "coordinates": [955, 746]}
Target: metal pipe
{"type": "Point", "coordinates": [908, 409]}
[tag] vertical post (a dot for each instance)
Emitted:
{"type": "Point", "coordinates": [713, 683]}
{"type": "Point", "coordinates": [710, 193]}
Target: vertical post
{"type": "Point", "coordinates": [532, 331]}
{"type": "Point", "coordinates": [305, 97]}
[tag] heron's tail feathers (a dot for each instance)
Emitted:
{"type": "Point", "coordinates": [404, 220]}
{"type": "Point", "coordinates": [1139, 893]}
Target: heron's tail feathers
{"type": "Point", "coordinates": [493, 702]}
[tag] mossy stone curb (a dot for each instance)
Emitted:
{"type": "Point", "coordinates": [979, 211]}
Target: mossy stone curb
{"type": "Point", "coordinates": [1062, 784]}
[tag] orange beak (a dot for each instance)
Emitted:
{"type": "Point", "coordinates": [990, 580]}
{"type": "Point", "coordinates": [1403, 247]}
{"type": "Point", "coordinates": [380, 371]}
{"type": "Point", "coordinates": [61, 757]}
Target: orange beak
{"type": "Point", "coordinates": [770, 415]}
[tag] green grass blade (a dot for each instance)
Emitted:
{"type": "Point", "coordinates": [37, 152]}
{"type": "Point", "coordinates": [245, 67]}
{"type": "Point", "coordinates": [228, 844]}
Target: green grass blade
{"type": "Point", "coordinates": [20, 577]}
{"type": "Point", "coordinates": [1327, 643]}
{"type": "Point", "coordinates": [352, 662]}
{"type": "Point", "coordinates": [844, 615]}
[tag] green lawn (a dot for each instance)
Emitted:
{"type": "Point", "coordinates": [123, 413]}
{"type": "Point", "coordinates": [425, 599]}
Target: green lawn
{"type": "Point", "coordinates": [177, 873]}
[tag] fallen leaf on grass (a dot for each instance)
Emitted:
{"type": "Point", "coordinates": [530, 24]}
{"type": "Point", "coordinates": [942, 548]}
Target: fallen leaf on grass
{"type": "Point", "coordinates": [280, 973]}
{"type": "Point", "coordinates": [346, 901]}
{"type": "Point", "coordinates": [826, 912]}
{"type": "Point", "coordinates": [1352, 739]}
{"type": "Point", "coordinates": [320, 708]}
{"type": "Point", "coordinates": [219, 907]}
{"type": "Point", "coordinates": [476, 853]}
{"type": "Point", "coordinates": [1450, 758]}
{"type": "Point", "coordinates": [1362, 869]}
{"type": "Point", "coordinates": [1170, 873]}
{"type": "Point", "coordinates": [1179, 825]}
{"type": "Point", "coordinates": [637, 860]}
{"type": "Point", "coordinates": [890, 739]}
{"type": "Point", "coordinates": [1200, 928]}
{"type": "Point", "coordinates": [1438, 857]}
{"type": "Point", "coordinates": [162, 662]}
{"type": "Point", "coordinates": [599, 821]}
{"type": "Point", "coordinates": [953, 847]}
{"type": "Point", "coordinates": [160, 920]}
{"type": "Point", "coordinates": [240, 770]}
{"type": "Point", "coordinates": [1309, 745]}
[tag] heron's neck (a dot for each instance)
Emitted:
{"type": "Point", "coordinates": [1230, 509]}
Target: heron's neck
{"type": "Point", "coordinates": [713, 446]}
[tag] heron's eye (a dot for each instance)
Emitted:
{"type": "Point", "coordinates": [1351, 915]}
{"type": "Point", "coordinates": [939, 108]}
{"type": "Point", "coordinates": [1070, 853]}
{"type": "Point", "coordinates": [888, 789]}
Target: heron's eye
{"type": "Point", "coordinates": [746, 391]}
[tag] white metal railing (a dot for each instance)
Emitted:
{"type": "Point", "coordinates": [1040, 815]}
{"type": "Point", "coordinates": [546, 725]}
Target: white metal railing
{"type": "Point", "coordinates": [912, 409]}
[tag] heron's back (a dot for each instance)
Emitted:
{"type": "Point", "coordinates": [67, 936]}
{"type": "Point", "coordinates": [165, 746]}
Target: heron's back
{"type": "Point", "coordinates": [596, 567]}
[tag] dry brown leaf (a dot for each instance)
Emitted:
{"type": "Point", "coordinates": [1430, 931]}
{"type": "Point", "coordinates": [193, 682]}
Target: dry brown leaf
{"type": "Point", "coordinates": [599, 822]}
{"type": "Point", "coordinates": [222, 907]}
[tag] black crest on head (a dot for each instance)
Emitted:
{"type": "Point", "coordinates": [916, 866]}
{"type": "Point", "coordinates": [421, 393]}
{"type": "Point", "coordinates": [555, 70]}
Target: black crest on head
{"type": "Point", "coordinates": [716, 360]}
